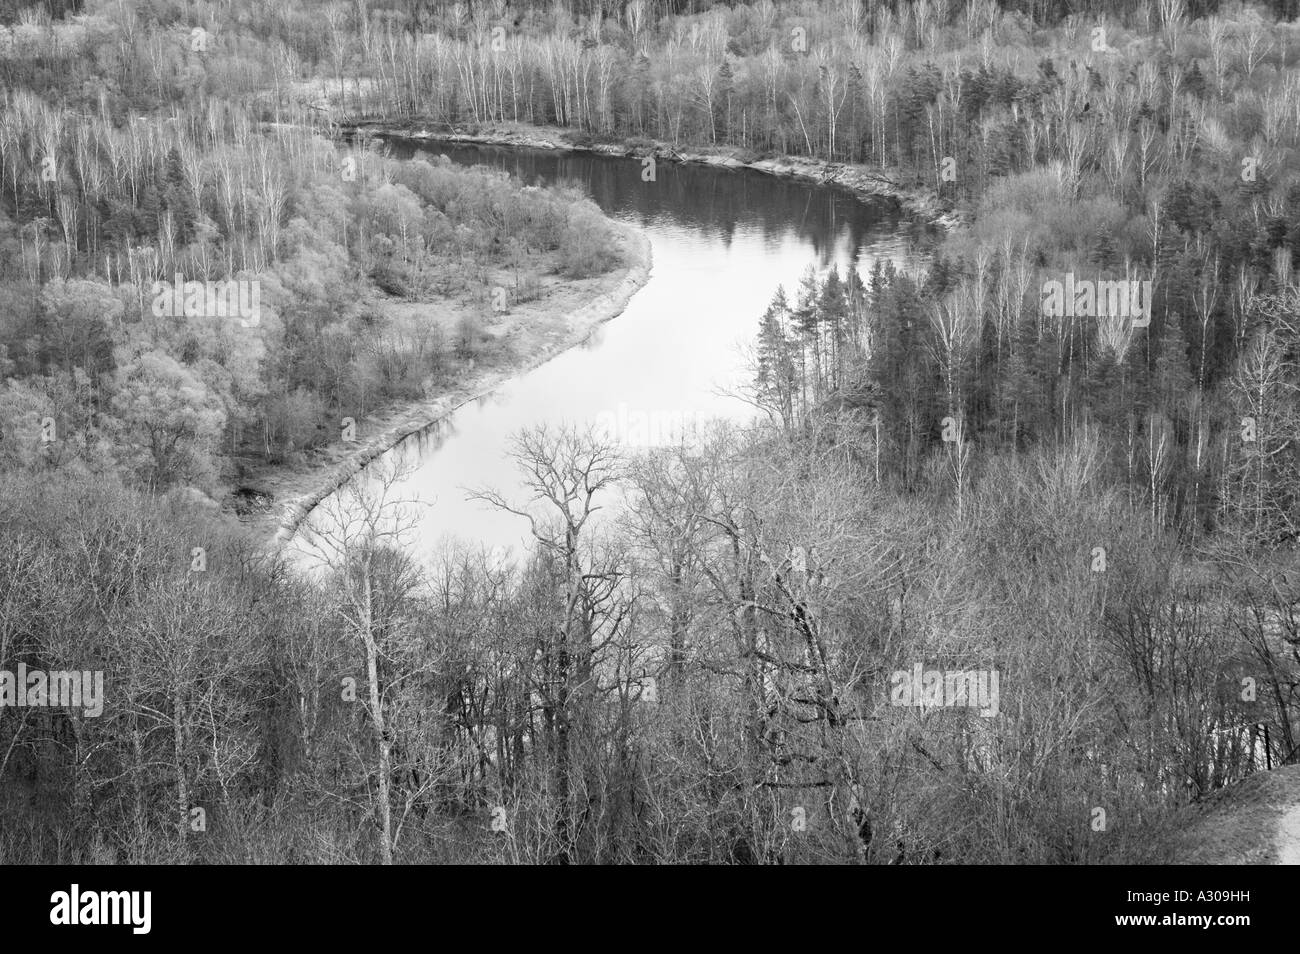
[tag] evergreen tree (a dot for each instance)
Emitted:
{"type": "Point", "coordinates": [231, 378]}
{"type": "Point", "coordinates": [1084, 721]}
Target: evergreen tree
{"type": "Point", "coordinates": [776, 378]}
{"type": "Point", "coordinates": [832, 306]}
{"type": "Point", "coordinates": [1173, 381]}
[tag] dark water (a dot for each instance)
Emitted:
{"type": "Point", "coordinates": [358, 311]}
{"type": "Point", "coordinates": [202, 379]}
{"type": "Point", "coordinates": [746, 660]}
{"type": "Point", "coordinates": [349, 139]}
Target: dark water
{"type": "Point", "coordinates": [722, 241]}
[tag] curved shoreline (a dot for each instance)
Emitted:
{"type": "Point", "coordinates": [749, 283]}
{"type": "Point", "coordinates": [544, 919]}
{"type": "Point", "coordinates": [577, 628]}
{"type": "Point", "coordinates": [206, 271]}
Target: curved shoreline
{"type": "Point", "coordinates": [864, 182]}
{"type": "Point", "coordinates": [423, 415]}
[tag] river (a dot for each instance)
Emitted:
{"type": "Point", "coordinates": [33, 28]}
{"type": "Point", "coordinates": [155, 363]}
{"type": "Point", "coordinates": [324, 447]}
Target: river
{"type": "Point", "coordinates": [722, 240]}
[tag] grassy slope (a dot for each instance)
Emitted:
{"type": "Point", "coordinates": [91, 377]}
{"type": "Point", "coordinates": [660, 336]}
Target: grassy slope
{"type": "Point", "coordinates": [1255, 822]}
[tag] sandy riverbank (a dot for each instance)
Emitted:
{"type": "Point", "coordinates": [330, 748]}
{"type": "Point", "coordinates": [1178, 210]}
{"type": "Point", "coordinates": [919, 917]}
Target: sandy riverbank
{"type": "Point", "coordinates": [563, 317]}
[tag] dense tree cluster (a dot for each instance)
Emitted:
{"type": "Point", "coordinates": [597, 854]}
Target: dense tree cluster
{"type": "Point", "coordinates": [101, 202]}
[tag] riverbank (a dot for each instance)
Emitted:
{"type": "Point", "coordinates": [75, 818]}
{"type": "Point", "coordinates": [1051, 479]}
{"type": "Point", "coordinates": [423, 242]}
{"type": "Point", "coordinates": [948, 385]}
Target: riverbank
{"type": "Point", "coordinates": [865, 182]}
{"type": "Point", "coordinates": [536, 331]}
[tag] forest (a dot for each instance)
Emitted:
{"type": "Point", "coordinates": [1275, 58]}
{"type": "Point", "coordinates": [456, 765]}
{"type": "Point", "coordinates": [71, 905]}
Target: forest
{"type": "Point", "coordinates": [1104, 512]}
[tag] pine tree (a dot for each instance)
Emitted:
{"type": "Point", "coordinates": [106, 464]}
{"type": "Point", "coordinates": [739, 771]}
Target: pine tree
{"type": "Point", "coordinates": [857, 331]}
{"type": "Point", "coordinates": [808, 323]}
{"type": "Point", "coordinates": [775, 382]}
{"type": "Point", "coordinates": [1173, 380]}
{"type": "Point", "coordinates": [832, 306]}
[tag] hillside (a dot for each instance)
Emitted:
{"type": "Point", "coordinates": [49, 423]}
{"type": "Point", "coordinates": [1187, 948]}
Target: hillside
{"type": "Point", "coordinates": [1255, 822]}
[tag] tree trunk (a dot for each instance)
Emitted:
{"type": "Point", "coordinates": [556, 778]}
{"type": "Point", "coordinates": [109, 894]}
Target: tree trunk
{"type": "Point", "coordinates": [381, 733]}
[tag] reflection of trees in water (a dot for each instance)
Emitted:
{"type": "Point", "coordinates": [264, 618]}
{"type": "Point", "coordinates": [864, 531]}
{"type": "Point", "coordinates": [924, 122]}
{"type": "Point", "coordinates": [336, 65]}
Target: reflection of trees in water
{"type": "Point", "coordinates": [714, 200]}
